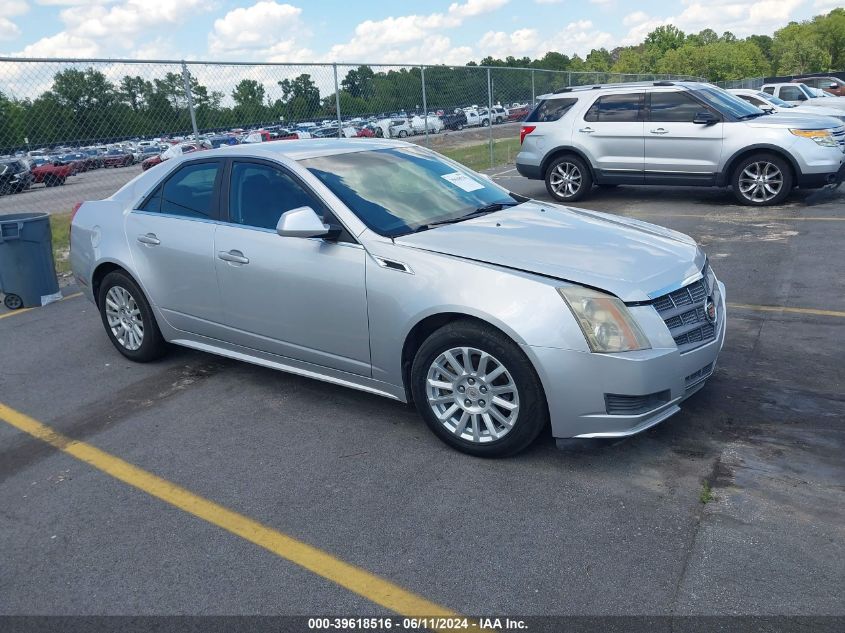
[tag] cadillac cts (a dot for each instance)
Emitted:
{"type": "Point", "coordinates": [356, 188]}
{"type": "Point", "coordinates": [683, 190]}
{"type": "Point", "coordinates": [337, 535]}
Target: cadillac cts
{"type": "Point", "coordinates": [386, 267]}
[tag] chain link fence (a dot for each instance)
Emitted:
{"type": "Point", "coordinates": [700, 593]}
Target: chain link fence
{"type": "Point", "coordinates": [751, 83]}
{"type": "Point", "coordinates": [73, 130]}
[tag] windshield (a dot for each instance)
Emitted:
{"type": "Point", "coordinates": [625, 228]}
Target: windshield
{"type": "Point", "coordinates": [400, 190]}
{"type": "Point", "coordinates": [726, 103]}
{"type": "Point", "coordinates": [774, 100]}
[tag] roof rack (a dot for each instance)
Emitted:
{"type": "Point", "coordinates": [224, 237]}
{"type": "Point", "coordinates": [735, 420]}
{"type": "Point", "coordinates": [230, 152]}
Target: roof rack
{"type": "Point", "coordinates": [629, 84]}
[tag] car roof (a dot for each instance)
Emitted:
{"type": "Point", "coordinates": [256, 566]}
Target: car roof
{"type": "Point", "coordinates": [305, 148]}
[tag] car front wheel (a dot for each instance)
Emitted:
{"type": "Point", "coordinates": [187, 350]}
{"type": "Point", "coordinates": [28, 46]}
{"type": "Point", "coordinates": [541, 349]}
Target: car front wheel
{"type": "Point", "coordinates": [568, 179]}
{"type": "Point", "coordinates": [477, 391]}
{"type": "Point", "coordinates": [762, 180]}
{"type": "Point", "coordinates": [128, 318]}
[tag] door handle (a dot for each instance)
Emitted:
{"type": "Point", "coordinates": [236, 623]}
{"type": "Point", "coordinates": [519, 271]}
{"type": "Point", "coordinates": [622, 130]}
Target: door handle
{"type": "Point", "coordinates": [150, 239]}
{"type": "Point", "coordinates": [659, 130]}
{"type": "Point", "coordinates": [235, 257]}
{"type": "Point", "coordinates": [587, 130]}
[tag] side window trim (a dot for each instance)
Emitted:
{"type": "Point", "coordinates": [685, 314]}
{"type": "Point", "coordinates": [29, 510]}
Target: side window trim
{"type": "Point", "coordinates": [158, 190]}
{"type": "Point", "coordinates": [690, 95]}
{"type": "Point", "coordinates": [225, 215]}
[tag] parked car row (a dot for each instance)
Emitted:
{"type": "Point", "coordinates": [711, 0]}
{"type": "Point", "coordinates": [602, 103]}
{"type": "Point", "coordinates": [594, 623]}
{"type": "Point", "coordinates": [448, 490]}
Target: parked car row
{"type": "Point", "coordinates": [680, 133]}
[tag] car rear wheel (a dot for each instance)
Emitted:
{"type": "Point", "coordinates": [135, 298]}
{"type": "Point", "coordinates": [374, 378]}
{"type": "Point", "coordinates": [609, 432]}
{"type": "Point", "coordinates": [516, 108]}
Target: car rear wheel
{"type": "Point", "coordinates": [762, 180]}
{"type": "Point", "coordinates": [568, 179]}
{"type": "Point", "coordinates": [477, 391]}
{"type": "Point", "coordinates": [49, 180]}
{"type": "Point", "coordinates": [13, 302]}
{"type": "Point", "coordinates": [402, 134]}
{"type": "Point", "coordinates": [128, 319]}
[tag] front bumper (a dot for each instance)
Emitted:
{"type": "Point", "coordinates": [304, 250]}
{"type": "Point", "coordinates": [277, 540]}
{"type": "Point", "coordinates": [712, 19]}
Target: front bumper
{"type": "Point", "coordinates": [576, 383]}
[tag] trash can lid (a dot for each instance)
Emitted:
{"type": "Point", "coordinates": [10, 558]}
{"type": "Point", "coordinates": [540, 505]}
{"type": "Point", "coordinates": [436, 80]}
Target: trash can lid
{"type": "Point", "coordinates": [23, 217]}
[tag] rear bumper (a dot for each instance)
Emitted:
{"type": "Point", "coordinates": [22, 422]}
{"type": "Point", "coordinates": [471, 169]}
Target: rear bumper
{"type": "Point", "coordinates": [529, 171]}
{"type": "Point", "coordinates": [576, 383]}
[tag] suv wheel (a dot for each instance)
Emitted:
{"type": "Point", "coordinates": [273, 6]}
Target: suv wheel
{"type": "Point", "coordinates": [762, 180]}
{"type": "Point", "coordinates": [568, 179]}
{"type": "Point", "coordinates": [477, 391]}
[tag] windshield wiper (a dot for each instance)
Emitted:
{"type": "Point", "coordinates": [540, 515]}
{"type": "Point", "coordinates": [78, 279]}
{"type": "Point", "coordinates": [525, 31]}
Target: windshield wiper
{"type": "Point", "coordinates": [488, 208]}
{"type": "Point", "coordinates": [753, 115]}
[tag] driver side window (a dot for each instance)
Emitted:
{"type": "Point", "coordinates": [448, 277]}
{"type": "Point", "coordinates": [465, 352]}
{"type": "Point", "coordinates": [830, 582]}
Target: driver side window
{"type": "Point", "coordinates": [259, 194]}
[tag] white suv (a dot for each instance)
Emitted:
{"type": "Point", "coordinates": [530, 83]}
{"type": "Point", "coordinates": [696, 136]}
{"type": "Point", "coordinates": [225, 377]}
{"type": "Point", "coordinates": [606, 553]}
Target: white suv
{"type": "Point", "coordinates": [675, 133]}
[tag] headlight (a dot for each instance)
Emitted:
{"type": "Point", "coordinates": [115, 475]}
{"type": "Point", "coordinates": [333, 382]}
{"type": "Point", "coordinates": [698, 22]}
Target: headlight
{"type": "Point", "coordinates": [821, 137]}
{"type": "Point", "coordinates": [604, 319]}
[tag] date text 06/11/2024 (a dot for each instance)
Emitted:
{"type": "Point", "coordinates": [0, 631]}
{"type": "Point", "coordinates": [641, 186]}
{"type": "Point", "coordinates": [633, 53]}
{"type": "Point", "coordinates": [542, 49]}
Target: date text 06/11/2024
{"type": "Point", "coordinates": [418, 624]}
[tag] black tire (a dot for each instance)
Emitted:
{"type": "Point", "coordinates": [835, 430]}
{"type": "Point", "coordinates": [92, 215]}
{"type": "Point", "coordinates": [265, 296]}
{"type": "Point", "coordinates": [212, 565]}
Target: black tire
{"type": "Point", "coordinates": [532, 414]}
{"type": "Point", "coordinates": [153, 345]}
{"type": "Point", "coordinates": [403, 134]}
{"type": "Point", "coordinates": [13, 302]}
{"type": "Point", "coordinates": [485, 123]}
{"type": "Point", "coordinates": [460, 126]}
{"type": "Point", "coordinates": [49, 180]}
{"type": "Point", "coordinates": [767, 166]}
{"type": "Point", "coordinates": [575, 167]}
{"type": "Point", "coordinates": [61, 180]}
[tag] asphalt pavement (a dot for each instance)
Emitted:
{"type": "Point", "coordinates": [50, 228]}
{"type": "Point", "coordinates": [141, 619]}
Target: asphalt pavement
{"type": "Point", "coordinates": [735, 506]}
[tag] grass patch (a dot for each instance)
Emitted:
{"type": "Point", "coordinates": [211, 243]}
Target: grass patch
{"type": "Point", "coordinates": [706, 494]}
{"type": "Point", "coordinates": [60, 226]}
{"type": "Point", "coordinates": [477, 157]}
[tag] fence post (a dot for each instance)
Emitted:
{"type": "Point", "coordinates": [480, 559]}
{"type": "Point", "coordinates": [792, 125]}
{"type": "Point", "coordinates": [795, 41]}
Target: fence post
{"type": "Point", "coordinates": [425, 104]}
{"type": "Point", "coordinates": [533, 93]}
{"type": "Point", "coordinates": [490, 113]}
{"type": "Point", "coordinates": [186, 79]}
{"type": "Point", "coordinates": [337, 101]}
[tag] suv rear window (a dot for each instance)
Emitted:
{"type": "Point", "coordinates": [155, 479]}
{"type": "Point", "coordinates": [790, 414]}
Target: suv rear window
{"type": "Point", "coordinates": [624, 107]}
{"type": "Point", "coordinates": [549, 110]}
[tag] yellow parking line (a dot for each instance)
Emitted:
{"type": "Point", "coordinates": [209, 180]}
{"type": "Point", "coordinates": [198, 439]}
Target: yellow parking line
{"type": "Point", "coordinates": [745, 306]}
{"type": "Point", "coordinates": [372, 587]}
{"type": "Point", "coordinates": [6, 315]}
{"type": "Point", "coordinates": [735, 218]}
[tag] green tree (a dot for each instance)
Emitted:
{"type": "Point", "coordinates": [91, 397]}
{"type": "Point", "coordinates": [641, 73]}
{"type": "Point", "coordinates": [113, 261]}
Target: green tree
{"type": "Point", "coordinates": [359, 82]}
{"type": "Point", "coordinates": [665, 38]}
{"type": "Point", "coordinates": [248, 94]}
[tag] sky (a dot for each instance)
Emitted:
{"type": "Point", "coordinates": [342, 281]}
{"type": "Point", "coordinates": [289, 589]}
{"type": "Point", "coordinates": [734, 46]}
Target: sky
{"type": "Point", "coordinates": [431, 31]}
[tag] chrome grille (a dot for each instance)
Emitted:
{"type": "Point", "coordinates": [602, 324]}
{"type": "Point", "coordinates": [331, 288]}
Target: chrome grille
{"type": "Point", "coordinates": [839, 135]}
{"type": "Point", "coordinates": [683, 312]}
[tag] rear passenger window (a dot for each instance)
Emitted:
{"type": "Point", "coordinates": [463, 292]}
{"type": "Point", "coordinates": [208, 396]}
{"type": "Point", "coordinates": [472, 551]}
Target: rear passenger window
{"type": "Point", "coordinates": [771, 91]}
{"type": "Point", "coordinates": [673, 106]}
{"type": "Point", "coordinates": [189, 192]}
{"type": "Point", "coordinates": [624, 107]}
{"type": "Point", "coordinates": [549, 110]}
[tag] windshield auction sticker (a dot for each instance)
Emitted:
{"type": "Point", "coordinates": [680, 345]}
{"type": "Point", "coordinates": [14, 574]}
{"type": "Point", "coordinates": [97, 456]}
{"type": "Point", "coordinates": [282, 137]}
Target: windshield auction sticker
{"type": "Point", "coordinates": [463, 181]}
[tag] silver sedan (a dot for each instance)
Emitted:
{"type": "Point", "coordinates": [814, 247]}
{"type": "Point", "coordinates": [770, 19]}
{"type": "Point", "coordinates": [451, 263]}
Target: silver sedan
{"type": "Point", "coordinates": [383, 266]}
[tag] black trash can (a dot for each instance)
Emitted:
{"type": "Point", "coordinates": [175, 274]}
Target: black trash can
{"type": "Point", "coordinates": [27, 271]}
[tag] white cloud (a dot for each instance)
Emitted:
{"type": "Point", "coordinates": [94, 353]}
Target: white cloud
{"type": "Point", "coordinates": [61, 45]}
{"type": "Point", "coordinates": [578, 37]}
{"type": "Point", "coordinates": [13, 8]}
{"type": "Point", "coordinates": [741, 18]}
{"type": "Point", "coordinates": [413, 38]}
{"type": "Point", "coordinates": [549, 1]}
{"type": "Point", "coordinates": [8, 29]}
{"type": "Point", "coordinates": [260, 26]}
{"type": "Point", "coordinates": [500, 44]}
{"type": "Point", "coordinates": [637, 17]}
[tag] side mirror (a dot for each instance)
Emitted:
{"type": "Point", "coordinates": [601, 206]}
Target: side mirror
{"type": "Point", "coordinates": [705, 118]}
{"type": "Point", "coordinates": [767, 109]}
{"type": "Point", "coordinates": [833, 86]}
{"type": "Point", "coordinates": [304, 222]}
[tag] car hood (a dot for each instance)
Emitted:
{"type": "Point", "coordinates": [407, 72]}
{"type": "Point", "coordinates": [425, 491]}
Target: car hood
{"type": "Point", "coordinates": [815, 110]}
{"type": "Point", "coordinates": [799, 120]}
{"type": "Point", "coordinates": [633, 260]}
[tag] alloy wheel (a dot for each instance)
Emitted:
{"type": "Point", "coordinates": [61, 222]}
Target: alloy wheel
{"type": "Point", "coordinates": [124, 318]}
{"type": "Point", "coordinates": [565, 180]}
{"type": "Point", "coordinates": [472, 394]}
{"type": "Point", "coordinates": [760, 181]}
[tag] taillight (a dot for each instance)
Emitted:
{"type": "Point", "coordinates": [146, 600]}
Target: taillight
{"type": "Point", "coordinates": [72, 215]}
{"type": "Point", "coordinates": [524, 131]}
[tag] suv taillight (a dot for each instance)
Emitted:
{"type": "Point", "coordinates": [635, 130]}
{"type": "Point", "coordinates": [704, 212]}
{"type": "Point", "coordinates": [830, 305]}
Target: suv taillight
{"type": "Point", "coordinates": [524, 131]}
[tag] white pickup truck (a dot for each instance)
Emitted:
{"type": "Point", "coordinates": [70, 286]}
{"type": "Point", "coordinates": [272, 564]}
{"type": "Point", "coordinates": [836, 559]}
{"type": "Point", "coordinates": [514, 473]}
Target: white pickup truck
{"type": "Point", "coordinates": [799, 94]}
{"type": "Point", "coordinates": [477, 117]}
